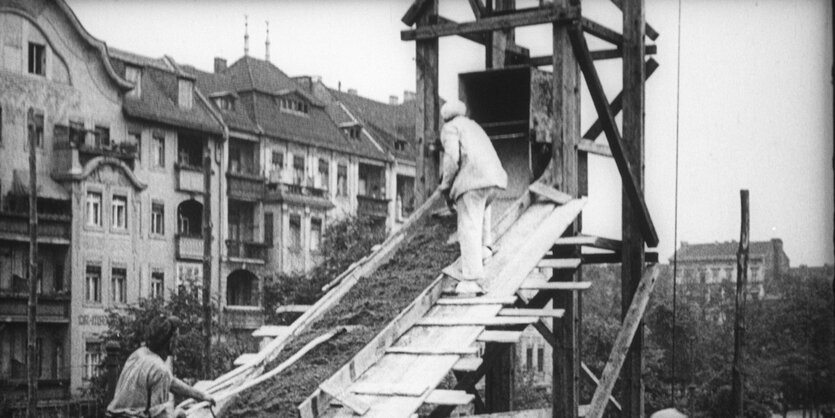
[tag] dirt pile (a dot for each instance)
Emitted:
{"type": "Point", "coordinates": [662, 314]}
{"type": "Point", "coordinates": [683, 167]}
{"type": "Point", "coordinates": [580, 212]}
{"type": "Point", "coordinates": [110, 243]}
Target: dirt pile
{"type": "Point", "coordinates": [368, 307]}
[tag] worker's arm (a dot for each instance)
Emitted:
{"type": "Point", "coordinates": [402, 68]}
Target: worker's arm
{"type": "Point", "coordinates": [451, 140]}
{"type": "Point", "coordinates": [178, 387]}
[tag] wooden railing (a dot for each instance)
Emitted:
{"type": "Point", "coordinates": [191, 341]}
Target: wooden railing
{"type": "Point", "coordinates": [247, 249]}
{"type": "Point", "coordinates": [14, 225]}
{"type": "Point", "coordinates": [372, 206]}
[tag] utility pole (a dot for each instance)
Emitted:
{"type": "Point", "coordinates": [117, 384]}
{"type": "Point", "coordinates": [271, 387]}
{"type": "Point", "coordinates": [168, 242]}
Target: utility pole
{"type": "Point", "coordinates": [207, 260]}
{"type": "Point", "coordinates": [31, 329]}
{"type": "Point", "coordinates": [739, 328]}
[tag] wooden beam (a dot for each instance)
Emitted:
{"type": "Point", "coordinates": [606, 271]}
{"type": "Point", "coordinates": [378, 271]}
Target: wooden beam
{"type": "Point", "coordinates": [414, 12]}
{"type": "Point", "coordinates": [347, 399]}
{"type": "Point", "coordinates": [601, 32]}
{"type": "Point", "coordinates": [499, 382]}
{"type": "Point", "coordinates": [559, 263]}
{"type": "Point", "coordinates": [427, 124]}
{"type": "Point", "coordinates": [449, 397]}
{"type": "Point", "coordinates": [467, 364]}
{"type": "Point", "coordinates": [596, 382]}
{"type": "Point", "coordinates": [545, 286]}
{"type": "Point", "coordinates": [617, 357]}
{"type": "Point", "coordinates": [631, 186]}
{"type": "Point", "coordinates": [589, 241]}
{"type": "Point", "coordinates": [614, 258]}
{"type": "Point", "coordinates": [477, 301]}
{"type": "Point", "coordinates": [388, 389]}
{"type": "Point", "coordinates": [600, 54]}
{"type": "Point", "coordinates": [478, 8]}
{"type": "Point", "coordinates": [502, 337]}
{"type": "Point", "coordinates": [550, 193]}
{"type": "Point", "coordinates": [590, 147]}
{"type": "Point", "coordinates": [541, 312]}
{"type": "Point", "coordinates": [479, 322]}
{"type": "Point", "coordinates": [649, 30]}
{"type": "Point", "coordinates": [432, 351]}
{"type": "Point", "coordinates": [479, 38]}
{"type": "Point", "coordinates": [617, 104]}
{"type": "Point", "coordinates": [489, 24]}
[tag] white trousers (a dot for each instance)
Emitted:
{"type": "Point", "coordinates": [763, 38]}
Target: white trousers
{"type": "Point", "coordinates": [474, 233]}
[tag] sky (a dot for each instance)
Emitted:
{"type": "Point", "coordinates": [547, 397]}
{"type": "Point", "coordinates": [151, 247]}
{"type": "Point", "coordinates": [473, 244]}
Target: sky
{"type": "Point", "coordinates": [750, 103]}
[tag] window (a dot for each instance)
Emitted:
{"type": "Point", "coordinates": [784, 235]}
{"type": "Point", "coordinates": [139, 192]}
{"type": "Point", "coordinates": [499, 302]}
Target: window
{"type": "Point", "coordinates": [157, 218]}
{"type": "Point", "coordinates": [755, 271]}
{"type": "Point", "coordinates": [400, 145]}
{"type": "Point", "coordinates": [315, 234]}
{"type": "Point", "coordinates": [298, 169]}
{"type": "Point", "coordinates": [92, 359]}
{"type": "Point", "coordinates": [93, 209]}
{"type": "Point", "coordinates": [134, 75]}
{"type": "Point", "coordinates": [184, 98]}
{"type": "Point", "coordinates": [540, 358]}
{"type": "Point", "coordinates": [118, 277]}
{"type": "Point", "coordinates": [101, 135]}
{"type": "Point", "coordinates": [58, 275]}
{"type": "Point", "coordinates": [268, 228]}
{"type": "Point", "coordinates": [293, 105]}
{"type": "Point", "coordinates": [135, 139]}
{"type": "Point", "coordinates": [92, 284]}
{"type": "Point", "coordinates": [37, 59]}
{"type": "Point", "coordinates": [157, 284]}
{"type": "Point", "coordinates": [189, 275]}
{"type": "Point", "coordinates": [158, 149]}
{"type": "Point", "coordinates": [36, 127]}
{"type": "Point", "coordinates": [39, 356]}
{"type": "Point", "coordinates": [342, 180]}
{"type": "Point", "coordinates": [119, 212]}
{"type": "Point", "coordinates": [295, 232]}
{"type": "Point", "coordinates": [77, 132]}
{"type": "Point", "coordinates": [529, 358]}
{"type": "Point", "coordinates": [277, 166]}
{"type": "Point", "coordinates": [57, 359]}
{"type": "Point", "coordinates": [225, 103]}
{"type": "Point", "coordinates": [323, 174]}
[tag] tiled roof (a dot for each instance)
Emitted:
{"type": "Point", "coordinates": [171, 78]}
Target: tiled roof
{"type": "Point", "coordinates": [721, 250]}
{"type": "Point", "coordinates": [159, 91]}
{"type": "Point", "coordinates": [211, 83]}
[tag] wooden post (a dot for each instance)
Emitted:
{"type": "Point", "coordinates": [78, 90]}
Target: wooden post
{"type": "Point", "coordinates": [32, 312]}
{"type": "Point", "coordinates": [497, 41]}
{"type": "Point", "coordinates": [741, 291]}
{"type": "Point", "coordinates": [207, 260]}
{"type": "Point", "coordinates": [426, 127]}
{"type": "Point", "coordinates": [564, 175]}
{"type": "Point", "coordinates": [633, 242]}
{"type": "Point", "coordinates": [498, 382]}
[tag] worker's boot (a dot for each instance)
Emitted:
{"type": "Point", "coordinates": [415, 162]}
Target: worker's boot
{"type": "Point", "coordinates": [469, 287]}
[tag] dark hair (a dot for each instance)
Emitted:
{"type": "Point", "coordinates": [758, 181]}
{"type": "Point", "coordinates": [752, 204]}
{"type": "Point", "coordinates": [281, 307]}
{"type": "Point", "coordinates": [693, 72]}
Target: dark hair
{"type": "Point", "coordinates": [160, 331]}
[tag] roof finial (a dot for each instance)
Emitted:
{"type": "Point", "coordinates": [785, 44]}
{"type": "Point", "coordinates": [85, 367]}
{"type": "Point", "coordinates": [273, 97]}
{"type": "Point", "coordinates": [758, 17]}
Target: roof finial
{"type": "Point", "coordinates": [267, 53]}
{"type": "Point", "coordinates": [246, 35]}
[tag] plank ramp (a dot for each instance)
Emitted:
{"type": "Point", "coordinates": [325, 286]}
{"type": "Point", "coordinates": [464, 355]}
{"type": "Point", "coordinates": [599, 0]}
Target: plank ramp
{"type": "Point", "coordinates": [443, 337]}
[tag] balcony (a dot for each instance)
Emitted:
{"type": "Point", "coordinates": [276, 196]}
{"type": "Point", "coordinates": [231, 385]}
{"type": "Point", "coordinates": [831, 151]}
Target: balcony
{"type": "Point", "coordinates": [297, 193]}
{"type": "Point", "coordinates": [245, 186]}
{"type": "Point", "coordinates": [189, 178]}
{"type": "Point", "coordinates": [372, 206]}
{"type": "Point", "coordinates": [244, 317]}
{"type": "Point", "coordinates": [189, 247]}
{"type": "Point", "coordinates": [74, 148]}
{"type": "Point", "coordinates": [247, 251]}
{"type": "Point", "coordinates": [52, 308]}
{"type": "Point", "coordinates": [52, 229]}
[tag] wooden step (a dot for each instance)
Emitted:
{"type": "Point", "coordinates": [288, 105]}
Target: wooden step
{"type": "Point", "coordinates": [449, 397]}
{"type": "Point", "coordinates": [550, 193]}
{"type": "Point", "coordinates": [589, 241]}
{"type": "Point", "coordinates": [477, 301]}
{"type": "Point", "coordinates": [467, 364]}
{"type": "Point", "coordinates": [481, 322]}
{"type": "Point", "coordinates": [345, 399]}
{"type": "Point", "coordinates": [244, 359]}
{"type": "Point", "coordinates": [271, 331]}
{"type": "Point", "coordinates": [292, 308]}
{"type": "Point", "coordinates": [433, 351]}
{"type": "Point", "coordinates": [559, 263]}
{"type": "Point", "coordinates": [502, 337]}
{"type": "Point", "coordinates": [389, 389]}
{"type": "Point", "coordinates": [542, 313]}
{"type": "Point", "coordinates": [555, 285]}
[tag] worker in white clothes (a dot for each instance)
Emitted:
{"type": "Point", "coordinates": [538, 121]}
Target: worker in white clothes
{"type": "Point", "coordinates": [145, 381]}
{"type": "Point", "coordinates": [472, 176]}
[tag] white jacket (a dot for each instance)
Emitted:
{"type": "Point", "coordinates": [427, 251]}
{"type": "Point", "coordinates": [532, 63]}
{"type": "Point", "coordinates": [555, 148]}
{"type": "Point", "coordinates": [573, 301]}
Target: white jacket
{"type": "Point", "coordinates": [470, 161]}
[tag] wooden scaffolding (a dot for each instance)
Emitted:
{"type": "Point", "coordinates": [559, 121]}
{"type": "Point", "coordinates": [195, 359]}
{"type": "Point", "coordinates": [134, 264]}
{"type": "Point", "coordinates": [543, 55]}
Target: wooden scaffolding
{"type": "Point", "coordinates": [400, 370]}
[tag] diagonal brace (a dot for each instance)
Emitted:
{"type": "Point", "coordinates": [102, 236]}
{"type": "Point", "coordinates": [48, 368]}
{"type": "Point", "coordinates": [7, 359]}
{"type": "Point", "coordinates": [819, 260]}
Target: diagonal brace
{"type": "Point", "coordinates": [601, 104]}
{"type": "Point", "coordinates": [617, 104]}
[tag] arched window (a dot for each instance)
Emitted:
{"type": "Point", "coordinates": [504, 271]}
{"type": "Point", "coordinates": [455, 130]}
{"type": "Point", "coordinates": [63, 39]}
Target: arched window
{"type": "Point", "coordinates": [242, 288]}
{"type": "Point", "coordinates": [190, 218]}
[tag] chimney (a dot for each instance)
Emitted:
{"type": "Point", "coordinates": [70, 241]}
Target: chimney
{"type": "Point", "coordinates": [220, 65]}
{"type": "Point", "coordinates": [267, 44]}
{"type": "Point", "coordinates": [246, 35]}
{"type": "Point", "coordinates": [352, 91]}
{"type": "Point", "coordinates": [393, 99]}
{"type": "Point", "coordinates": [408, 96]}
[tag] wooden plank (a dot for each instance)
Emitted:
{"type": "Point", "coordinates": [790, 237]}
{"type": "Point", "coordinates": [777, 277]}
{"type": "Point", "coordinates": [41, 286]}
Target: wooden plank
{"type": "Point", "coordinates": [528, 413]}
{"type": "Point", "coordinates": [503, 337]}
{"type": "Point", "coordinates": [467, 364]}
{"type": "Point", "coordinates": [484, 322]}
{"type": "Point", "coordinates": [555, 286]}
{"type": "Point", "coordinates": [631, 185]}
{"type": "Point", "coordinates": [388, 389]}
{"type": "Point", "coordinates": [616, 106]}
{"type": "Point", "coordinates": [591, 147]}
{"type": "Point", "coordinates": [559, 263]}
{"type": "Point", "coordinates": [432, 351]}
{"type": "Point", "coordinates": [449, 397]}
{"type": "Point", "coordinates": [479, 38]}
{"type": "Point", "coordinates": [477, 301]}
{"type": "Point", "coordinates": [345, 398]}
{"type": "Point", "coordinates": [596, 382]}
{"type": "Point", "coordinates": [600, 54]}
{"type": "Point", "coordinates": [414, 12]}
{"type": "Point", "coordinates": [589, 241]}
{"type": "Point", "coordinates": [242, 359]}
{"type": "Point", "coordinates": [489, 24]}
{"type": "Point", "coordinates": [427, 124]}
{"type": "Point", "coordinates": [478, 8]}
{"type": "Point", "coordinates": [541, 313]}
{"type": "Point", "coordinates": [623, 341]}
{"type": "Point", "coordinates": [599, 31]}
{"type": "Point", "coordinates": [271, 331]}
{"type": "Point", "coordinates": [649, 30]}
{"type": "Point", "coordinates": [292, 308]}
{"type": "Point", "coordinates": [614, 258]}
{"type": "Point", "coordinates": [550, 193]}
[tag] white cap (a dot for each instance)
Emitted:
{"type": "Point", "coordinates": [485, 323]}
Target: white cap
{"type": "Point", "coordinates": [452, 109]}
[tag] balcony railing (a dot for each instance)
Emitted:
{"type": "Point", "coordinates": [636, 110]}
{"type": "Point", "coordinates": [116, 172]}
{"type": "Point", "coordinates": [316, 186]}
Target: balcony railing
{"type": "Point", "coordinates": [244, 317]}
{"type": "Point", "coordinates": [297, 192]}
{"type": "Point", "coordinates": [372, 206]}
{"type": "Point", "coordinates": [245, 186]}
{"type": "Point", "coordinates": [189, 178]}
{"type": "Point", "coordinates": [247, 250]}
{"type": "Point", "coordinates": [189, 247]}
{"type": "Point", "coordinates": [52, 308]}
{"type": "Point", "coordinates": [87, 146]}
{"type": "Point", "coordinates": [51, 228]}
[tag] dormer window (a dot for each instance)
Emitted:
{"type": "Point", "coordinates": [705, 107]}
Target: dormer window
{"type": "Point", "coordinates": [184, 98]}
{"type": "Point", "coordinates": [134, 75]}
{"type": "Point", "coordinates": [225, 103]}
{"type": "Point", "coordinates": [287, 104]}
{"type": "Point", "coordinates": [400, 145]}
{"type": "Point", "coordinates": [353, 131]}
